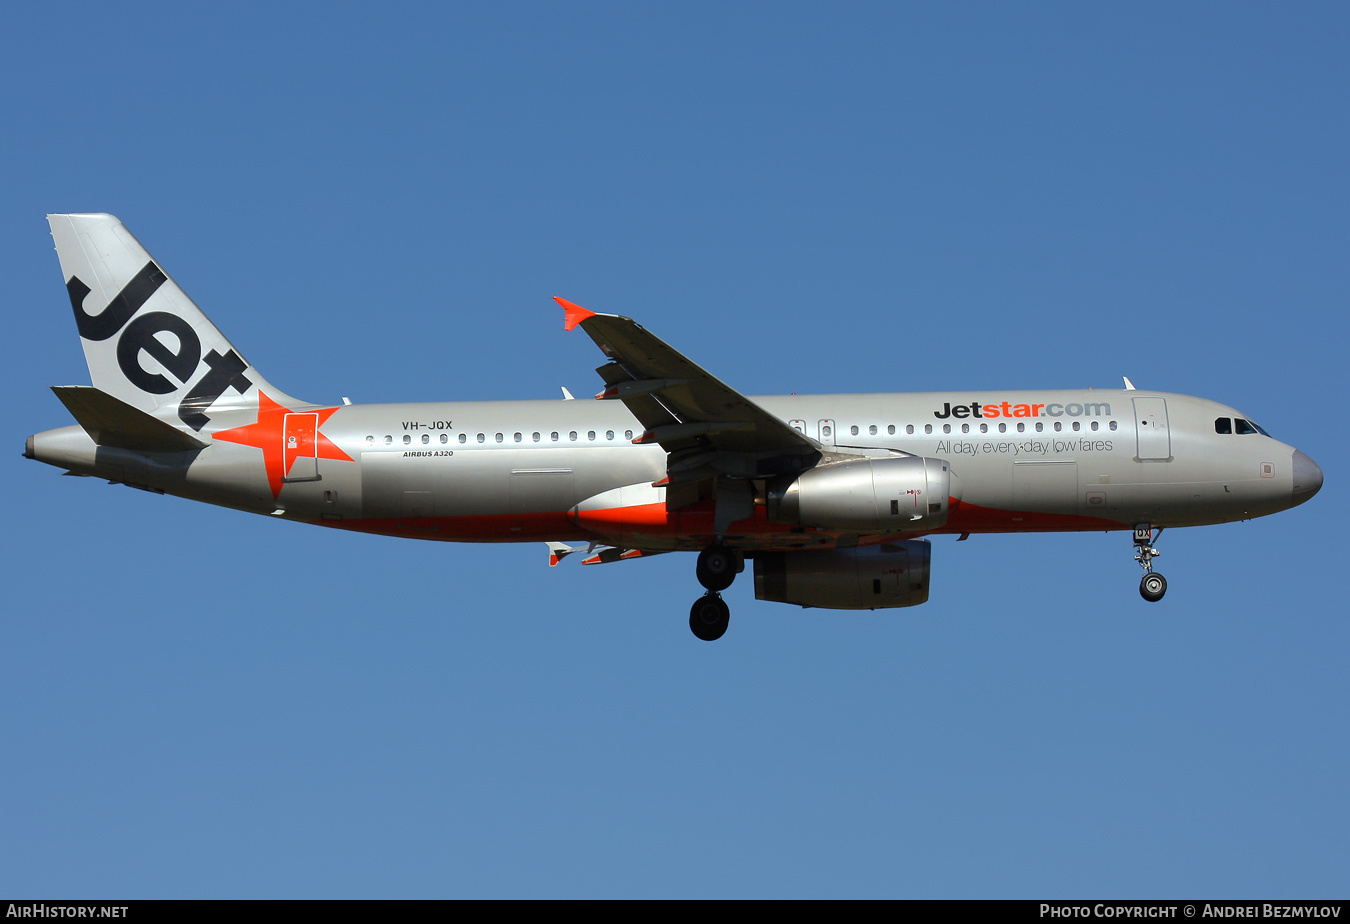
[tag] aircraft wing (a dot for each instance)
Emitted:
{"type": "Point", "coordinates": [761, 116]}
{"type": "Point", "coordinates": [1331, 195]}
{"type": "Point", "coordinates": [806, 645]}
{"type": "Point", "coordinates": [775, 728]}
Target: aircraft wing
{"type": "Point", "coordinates": [684, 408]}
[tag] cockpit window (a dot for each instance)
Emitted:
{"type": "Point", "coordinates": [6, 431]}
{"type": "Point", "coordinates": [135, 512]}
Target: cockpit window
{"type": "Point", "coordinates": [1223, 425]}
{"type": "Point", "coordinates": [1246, 426]}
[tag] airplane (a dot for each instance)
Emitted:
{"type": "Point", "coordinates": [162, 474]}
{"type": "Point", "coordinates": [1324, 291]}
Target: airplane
{"type": "Point", "coordinates": [830, 496]}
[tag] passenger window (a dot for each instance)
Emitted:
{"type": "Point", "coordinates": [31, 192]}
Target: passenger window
{"type": "Point", "coordinates": [482, 437]}
{"type": "Point", "coordinates": [609, 434]}
{"type": "Point", "coordinates": [590, 434]}
{"type": "Point", "coordinates": [572, 435]}
{"type": "Point", "coordinates": [1077, 425]}
{"type": "Point", "coordinates": [1113, 425]}
{"type": "Point", "coordinates": [872, 430]}
{"type": "Point", "coordinates": [1021, 427]}
{"type": "Point", "coordinates": [445, 438]}
{"type": "Point", "coordinates": [370, 441]}
{"type": "Point", "coordinates": [1094, 425]}
{"type": "Point", "coordinates": [426, 438]}
{"type": "Point", "coordinates": [965, 428]}
{"type": "Point", "coordinates": [1058, 426]}
{"type": "Point", "coordinates": [1002, 428]}
{"type": "Point", "coordinates": [407, 440]}
{"type": "Point", "coordinates": [984, 428]}
{"type": "Point", "coordinates": [927, 428]}
{"type": "Point", "coordinates": [536, 436]}
{"type": "Point", "coordinates": [553, 436]}
{"type": "Point", "coordinates": [946, 428]}
{"type": "Point", "coordinates": [499, 437]}
{"type": "Point", "coordinates": [1039, 426]}
{"type": "Point", "coordinates": [853, 431]}
{"type": "Point", "coordinates": [388, 440]}
{"type": "Point", "coordinates": [909, 428]}
{"type": "Point", "coordinates": [464, 437]}
{"type": "Point", "coordinates": [891, 429]}
{"type": "Point", "coordinates": [1243, 427]}
{"type": "Point", "coordinates": [517, 437]}
{"type": "Point", "coordinates": [628, 434]}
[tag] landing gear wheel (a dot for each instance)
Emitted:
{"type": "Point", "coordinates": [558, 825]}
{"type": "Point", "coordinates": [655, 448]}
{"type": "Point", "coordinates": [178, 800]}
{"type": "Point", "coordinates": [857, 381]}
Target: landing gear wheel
{"type": "Point", "coordinates": [716, 568]}
{"type": "Point", "coordinates": [1152, 587]}
{"type": "Point", "coordinates": [709, 617]}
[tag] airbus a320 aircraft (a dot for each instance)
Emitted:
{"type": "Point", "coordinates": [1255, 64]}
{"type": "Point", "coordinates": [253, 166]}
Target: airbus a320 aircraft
{"type": "Point", "coordinates": [829, 495]}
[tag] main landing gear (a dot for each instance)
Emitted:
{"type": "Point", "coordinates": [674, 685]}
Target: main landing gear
{"type": "Point", "coordinates": [717, 568]}
{"type": "Point", "coordinates": [1153, 585]}
{"type": "Point", "coordinates": [709, 616]}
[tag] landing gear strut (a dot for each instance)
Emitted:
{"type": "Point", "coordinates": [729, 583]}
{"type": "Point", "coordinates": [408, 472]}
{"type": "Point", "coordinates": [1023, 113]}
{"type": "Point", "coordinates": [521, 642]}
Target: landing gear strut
{"type": "Point", "coordinates": [1153, 585]}
{"type": "Point", "coordinates": [717, 568]}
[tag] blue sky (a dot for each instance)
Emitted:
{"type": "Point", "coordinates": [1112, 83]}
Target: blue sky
{"type": "Point", "coordinates": [380, 201]}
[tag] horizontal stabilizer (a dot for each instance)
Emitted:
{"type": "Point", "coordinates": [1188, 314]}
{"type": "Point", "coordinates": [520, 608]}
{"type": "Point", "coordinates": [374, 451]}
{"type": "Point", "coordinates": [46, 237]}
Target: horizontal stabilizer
{"type": "Point", "coordinates": [114, 423]}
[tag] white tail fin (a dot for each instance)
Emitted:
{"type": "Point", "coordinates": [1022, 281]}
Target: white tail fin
{"type": "Point", "coordinates": [145, 341]}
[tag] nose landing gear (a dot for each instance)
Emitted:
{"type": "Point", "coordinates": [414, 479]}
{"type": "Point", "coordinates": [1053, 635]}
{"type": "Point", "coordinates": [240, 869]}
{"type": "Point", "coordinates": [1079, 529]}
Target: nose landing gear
{"type": "Point", "coordinates": [717, 568]}
{"type": "Point", "coordinates": [1153, 585]}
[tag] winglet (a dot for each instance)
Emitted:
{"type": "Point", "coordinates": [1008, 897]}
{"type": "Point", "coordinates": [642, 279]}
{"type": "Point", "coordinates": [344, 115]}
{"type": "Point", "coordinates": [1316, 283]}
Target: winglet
{"type": "Point", "coordinates": [575, 313]}
{"type": "Point", "coordinates": [1129, 386]}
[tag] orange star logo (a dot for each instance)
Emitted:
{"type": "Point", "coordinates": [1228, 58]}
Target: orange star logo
{"type": "Point", "coordinates": [285, 437]}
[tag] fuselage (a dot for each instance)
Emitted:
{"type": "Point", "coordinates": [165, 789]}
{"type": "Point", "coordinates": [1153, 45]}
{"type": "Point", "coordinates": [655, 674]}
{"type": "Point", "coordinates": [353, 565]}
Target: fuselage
{"type": "Point", "coordinates": [512, 471]}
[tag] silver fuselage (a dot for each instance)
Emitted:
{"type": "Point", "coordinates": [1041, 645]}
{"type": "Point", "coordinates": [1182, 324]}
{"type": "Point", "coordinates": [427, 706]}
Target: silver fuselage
{"type": "Point", "coordinates": [518, 470]}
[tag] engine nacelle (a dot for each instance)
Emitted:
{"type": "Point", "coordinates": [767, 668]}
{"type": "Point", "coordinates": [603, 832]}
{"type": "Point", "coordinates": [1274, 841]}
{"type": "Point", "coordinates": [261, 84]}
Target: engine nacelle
{"type": "Point", "coordinates": [907, 494]}
{"type": "Point", "coordinates": [868, 578]}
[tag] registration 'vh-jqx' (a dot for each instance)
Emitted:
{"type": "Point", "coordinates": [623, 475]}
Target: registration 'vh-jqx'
{"type": "Point", "coordinates": [829, 496]}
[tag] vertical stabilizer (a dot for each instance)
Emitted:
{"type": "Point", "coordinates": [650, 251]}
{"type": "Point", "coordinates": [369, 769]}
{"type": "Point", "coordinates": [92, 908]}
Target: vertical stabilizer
{"type": "Point", "coordinates": [147, 344]}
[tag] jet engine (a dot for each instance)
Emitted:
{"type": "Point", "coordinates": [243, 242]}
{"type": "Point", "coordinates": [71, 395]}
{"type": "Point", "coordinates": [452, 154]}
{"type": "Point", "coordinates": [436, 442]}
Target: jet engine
{"type": "Point", "coordinates": [906, 494]}
{"type": "Point", "coordinates": [872, 577]}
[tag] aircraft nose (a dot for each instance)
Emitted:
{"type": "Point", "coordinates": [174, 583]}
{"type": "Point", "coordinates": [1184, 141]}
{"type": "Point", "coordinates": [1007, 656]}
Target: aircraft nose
{"type": "Point", "coordinates": [1307, 477]}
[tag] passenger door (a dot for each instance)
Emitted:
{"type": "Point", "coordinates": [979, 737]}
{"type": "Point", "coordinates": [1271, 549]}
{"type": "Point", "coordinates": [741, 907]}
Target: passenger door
{"type": "Point", "coordinates": [1153, 435]}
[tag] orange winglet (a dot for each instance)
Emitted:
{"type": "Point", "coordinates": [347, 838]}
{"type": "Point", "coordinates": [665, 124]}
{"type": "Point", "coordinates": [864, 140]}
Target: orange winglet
{"type": "Point", "coordinates": [575, 313]}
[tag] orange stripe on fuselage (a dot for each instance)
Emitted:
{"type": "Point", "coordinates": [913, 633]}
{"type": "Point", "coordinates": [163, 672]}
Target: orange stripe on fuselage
{"type": "Point", "coordinates": [692, 527]}
{"type": "Point", "coordinates": [966, 517]}
{"type": "Point", "coordinates": [529, 527]}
